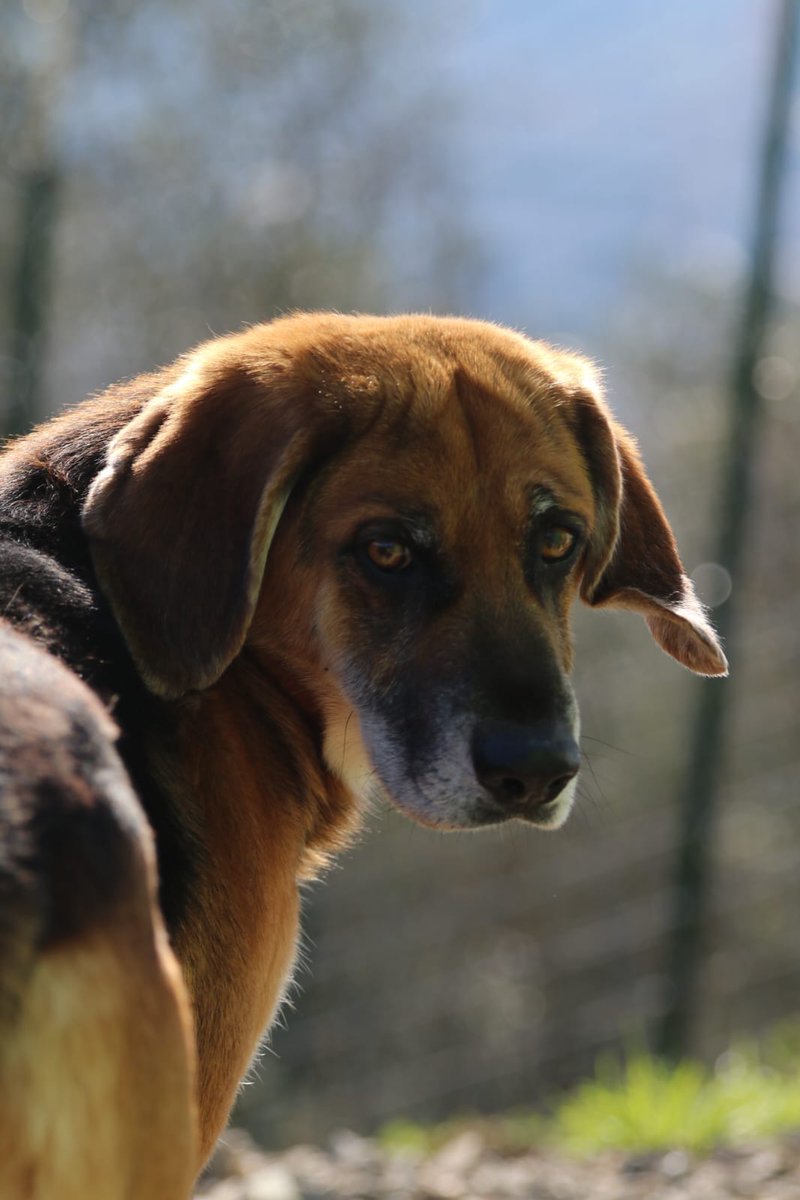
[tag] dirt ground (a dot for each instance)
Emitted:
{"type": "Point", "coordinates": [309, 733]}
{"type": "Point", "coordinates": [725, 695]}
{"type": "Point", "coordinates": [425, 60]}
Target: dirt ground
{"type": "Point", "coordinates": [465, 1168]}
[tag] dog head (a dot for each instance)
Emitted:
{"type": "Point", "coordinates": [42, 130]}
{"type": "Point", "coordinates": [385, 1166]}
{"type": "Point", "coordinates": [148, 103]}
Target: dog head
{"type": "Point", "coordinates": [392, 518]}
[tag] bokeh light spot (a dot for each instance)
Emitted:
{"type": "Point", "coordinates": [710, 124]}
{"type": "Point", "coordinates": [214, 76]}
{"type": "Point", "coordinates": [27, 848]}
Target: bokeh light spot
{"type": "Point", "coordinates": [713, 583]}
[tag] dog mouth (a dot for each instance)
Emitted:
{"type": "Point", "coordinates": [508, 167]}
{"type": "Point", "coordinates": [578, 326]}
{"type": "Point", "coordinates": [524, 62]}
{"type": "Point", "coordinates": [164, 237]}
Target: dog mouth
{"type": "Point", "coordinates": [445, 791]}
{"type": "Point", "coordinates": [474, 782]}
{"type": "Point", "coordinates": [474, 808]}
{"type": "Point", "coordinates": [547, 814]}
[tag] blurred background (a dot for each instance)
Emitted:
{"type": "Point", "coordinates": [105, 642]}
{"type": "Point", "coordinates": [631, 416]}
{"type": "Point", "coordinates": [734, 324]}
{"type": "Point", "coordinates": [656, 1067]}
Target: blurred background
{"type": "Point", "coordinates": [582, 170]}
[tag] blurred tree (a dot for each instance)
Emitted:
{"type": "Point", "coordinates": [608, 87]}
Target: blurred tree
{"type": "Point", "coordinates": [38, 193]}
{"type": "Point", "coordinates": [706, 756]}
{"type": "Point", "coordinates": [30, 86]}
{"type": "Point", "coordinates": [224, 163]}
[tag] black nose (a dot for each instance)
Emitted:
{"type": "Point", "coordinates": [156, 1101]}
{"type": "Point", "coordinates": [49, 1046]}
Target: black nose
{"type": "Point", "coordinates": [524, 766]}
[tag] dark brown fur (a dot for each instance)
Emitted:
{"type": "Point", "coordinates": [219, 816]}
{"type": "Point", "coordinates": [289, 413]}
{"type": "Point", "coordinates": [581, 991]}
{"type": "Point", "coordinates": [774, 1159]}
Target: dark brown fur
{"type": "Point", "coordinates": [194, 546]}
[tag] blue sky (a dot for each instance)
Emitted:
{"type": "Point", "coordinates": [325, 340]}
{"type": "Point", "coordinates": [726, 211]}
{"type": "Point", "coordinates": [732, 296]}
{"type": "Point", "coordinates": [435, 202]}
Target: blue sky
{"type": "Point", "coordinates": [603, 139]}
{"type": "Point", "coordinates": [593, 148]}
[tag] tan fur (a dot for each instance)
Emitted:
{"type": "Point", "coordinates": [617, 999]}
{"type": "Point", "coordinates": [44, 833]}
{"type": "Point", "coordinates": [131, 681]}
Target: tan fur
{"type": "Point", "coordinates": [238, 945]}
{"type": "Point", "coordinates": [96, 1077]}
{"type": "Point", "coordinates": [221, 522]}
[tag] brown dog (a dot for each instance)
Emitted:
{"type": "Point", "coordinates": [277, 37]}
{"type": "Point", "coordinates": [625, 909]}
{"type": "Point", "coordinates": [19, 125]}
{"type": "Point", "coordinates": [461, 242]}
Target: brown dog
{"type": "Point", "coordinates": [327, 557]}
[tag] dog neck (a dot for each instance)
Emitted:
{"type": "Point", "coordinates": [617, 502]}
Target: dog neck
{"type": "Point", "coordinates": [265, 812]}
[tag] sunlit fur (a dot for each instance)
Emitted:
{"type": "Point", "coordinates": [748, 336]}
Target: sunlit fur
{"type": "Point", "coordinates": [214, 509]}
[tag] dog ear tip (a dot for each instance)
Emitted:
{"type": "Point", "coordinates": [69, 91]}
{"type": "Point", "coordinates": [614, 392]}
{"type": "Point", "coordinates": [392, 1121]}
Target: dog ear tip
{"type": "Point", "coordinates": [174, 682]}
{"type": "Point", "coordinates": [710, 659]}
{"type": "Point", "coordinates": [722, 669]}
{"type": "Point", "coordinates": [718, 670]}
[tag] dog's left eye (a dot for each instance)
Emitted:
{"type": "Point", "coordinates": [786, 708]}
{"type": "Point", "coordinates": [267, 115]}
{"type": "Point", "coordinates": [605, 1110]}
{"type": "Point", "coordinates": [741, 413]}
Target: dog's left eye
{"type": "Point", "coordinates": [557, 543]}
{"type": "Point", "coordinates": [388, 554]}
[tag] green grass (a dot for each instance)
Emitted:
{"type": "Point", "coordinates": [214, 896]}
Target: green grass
{"type": "Point", "coordinates": [647, 1105]}
{"type": "Point", "coordinates": [644, 1104]}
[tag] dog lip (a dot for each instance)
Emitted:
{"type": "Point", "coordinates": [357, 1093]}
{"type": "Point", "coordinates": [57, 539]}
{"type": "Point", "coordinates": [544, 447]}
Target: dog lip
{"type": "Point", "coordinates": [542, 815]}
{"type": "Point", "coordinates": [487, 812]}
{"type": "Point", "coordinates": [476, 814]}
{"type": "Point", "coordinates": [480, 813]}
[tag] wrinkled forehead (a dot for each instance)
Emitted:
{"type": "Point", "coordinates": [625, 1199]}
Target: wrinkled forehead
{"type": "Point", "coordinates": [468, 445]}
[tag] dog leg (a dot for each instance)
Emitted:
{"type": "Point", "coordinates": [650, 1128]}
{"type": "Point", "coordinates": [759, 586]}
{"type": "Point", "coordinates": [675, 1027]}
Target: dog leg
{"type": "Point", "coordinates": [96, 1078]}
{"type": "Point", "coordinates": [96, 1042]}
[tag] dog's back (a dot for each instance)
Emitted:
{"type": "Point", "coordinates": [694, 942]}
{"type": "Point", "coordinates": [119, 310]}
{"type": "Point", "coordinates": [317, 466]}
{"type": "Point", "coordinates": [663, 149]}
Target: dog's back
{"type": "Point", "coordinates": [94, 1024]}
{"type": "Point", "coordinates": [49, 593]}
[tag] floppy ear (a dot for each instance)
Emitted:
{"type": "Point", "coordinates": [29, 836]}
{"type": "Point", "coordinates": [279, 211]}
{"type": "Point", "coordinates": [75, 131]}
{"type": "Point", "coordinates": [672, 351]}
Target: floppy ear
{"type": "Point", "coordinates": [180, 520]}
{"type": "Point", "coordinates": [633, 561]}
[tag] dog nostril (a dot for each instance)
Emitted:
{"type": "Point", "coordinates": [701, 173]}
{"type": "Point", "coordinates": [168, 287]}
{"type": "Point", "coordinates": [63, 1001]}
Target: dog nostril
{"type": "Point", "coordinates": [556, 787]}
{"type": "Point", "coordinates": [521, 765]}
{"type": "Point", "coordinates": [513, 788]}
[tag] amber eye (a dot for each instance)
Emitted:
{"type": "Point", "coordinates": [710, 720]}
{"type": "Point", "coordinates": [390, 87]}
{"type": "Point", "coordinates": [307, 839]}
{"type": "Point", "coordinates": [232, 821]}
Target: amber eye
{"type": "Point", "coordinates": [388, 554]}
{"type": "Point", "coordinates": [557, 543]}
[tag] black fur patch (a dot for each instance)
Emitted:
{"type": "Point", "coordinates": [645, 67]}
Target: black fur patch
{"type": "Point", "coordinates": [71, 828]}
{"type": "Point", "coordinates": [49, 593]}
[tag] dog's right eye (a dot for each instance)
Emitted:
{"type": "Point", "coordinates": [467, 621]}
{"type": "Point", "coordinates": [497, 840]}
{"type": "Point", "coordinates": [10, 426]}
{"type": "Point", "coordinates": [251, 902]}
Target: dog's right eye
{"type": "Point", "coordinates": [557, 543]}
{"type": "Point", "coordinates": [388, 554]}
